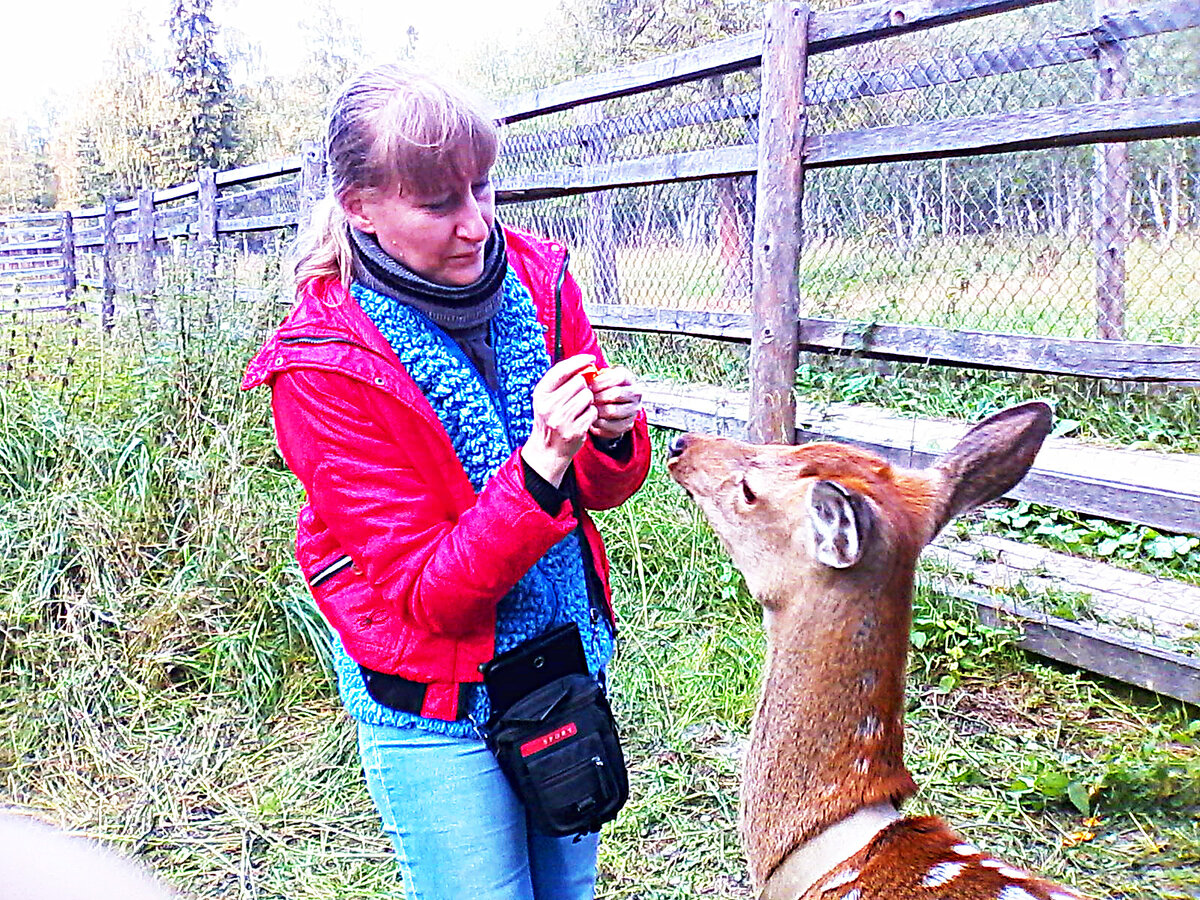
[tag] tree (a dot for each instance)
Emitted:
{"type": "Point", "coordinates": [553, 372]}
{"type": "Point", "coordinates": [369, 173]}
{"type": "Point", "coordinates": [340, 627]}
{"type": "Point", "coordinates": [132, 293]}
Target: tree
{"type": "Point", "coordinates": [130, 114]}
{"type": "Point", "coordinates": [206, 104]}
{"type": "Point", "coordinates": [95, 180]}
{"type": "Point", "coordinates": [27, 179]}
{"type": "Point", "coordinates": [612, 32]}
{"type": "Point", "coordinates": [283, 113]}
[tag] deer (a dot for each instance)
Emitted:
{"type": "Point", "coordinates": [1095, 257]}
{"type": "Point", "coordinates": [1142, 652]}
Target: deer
{"type": "Point", "coordinates": [827, 537]}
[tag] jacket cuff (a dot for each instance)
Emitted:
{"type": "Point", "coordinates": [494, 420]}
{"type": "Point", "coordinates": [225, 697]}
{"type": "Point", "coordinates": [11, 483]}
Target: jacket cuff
{"type": "Point", "coordinates": [546, 495]}
{"type": "Point", "coordinates": [618, 448]}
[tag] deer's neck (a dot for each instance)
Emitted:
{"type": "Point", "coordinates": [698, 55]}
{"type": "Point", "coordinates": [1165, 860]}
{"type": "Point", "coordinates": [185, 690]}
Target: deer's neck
{"type": "Point", "coordinates": [828, 734]}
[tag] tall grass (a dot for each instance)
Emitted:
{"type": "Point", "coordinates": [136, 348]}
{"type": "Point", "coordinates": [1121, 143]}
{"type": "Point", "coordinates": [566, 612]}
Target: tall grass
{"type": "Point", "coordinates": [162, 681]}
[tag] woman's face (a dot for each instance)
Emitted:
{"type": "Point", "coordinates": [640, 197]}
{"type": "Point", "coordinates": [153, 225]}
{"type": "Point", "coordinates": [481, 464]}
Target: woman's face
{"type": "Point", "coordinates": [439, 235]}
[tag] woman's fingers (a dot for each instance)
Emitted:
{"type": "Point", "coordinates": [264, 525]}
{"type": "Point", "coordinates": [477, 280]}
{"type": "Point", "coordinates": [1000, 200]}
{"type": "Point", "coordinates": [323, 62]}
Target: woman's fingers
{"type": "Point", "coordinates": [618, 398]}
{"type": "Point", "coordinates": [563, 412]}
{"type": "Point", "coordinates": [570, 412]}
{"type": "Point", "coordinates": [561, 373]}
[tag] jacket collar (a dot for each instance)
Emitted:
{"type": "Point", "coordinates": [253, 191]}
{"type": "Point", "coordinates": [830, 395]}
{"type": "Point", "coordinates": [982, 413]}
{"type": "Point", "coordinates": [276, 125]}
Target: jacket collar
{"type": "Point", "coordinates": [325, 311]}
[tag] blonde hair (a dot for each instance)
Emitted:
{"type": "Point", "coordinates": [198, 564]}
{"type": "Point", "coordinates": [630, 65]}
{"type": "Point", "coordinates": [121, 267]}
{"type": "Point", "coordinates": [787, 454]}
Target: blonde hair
{"type": "Point", "coordinates": [391, 127]}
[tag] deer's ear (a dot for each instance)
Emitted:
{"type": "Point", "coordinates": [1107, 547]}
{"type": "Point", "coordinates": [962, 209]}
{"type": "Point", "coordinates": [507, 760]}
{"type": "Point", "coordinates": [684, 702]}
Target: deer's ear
{"type": "Point", "coordinates": [990, 459]}
{"type": "Point", "coordinates": [841, 524]}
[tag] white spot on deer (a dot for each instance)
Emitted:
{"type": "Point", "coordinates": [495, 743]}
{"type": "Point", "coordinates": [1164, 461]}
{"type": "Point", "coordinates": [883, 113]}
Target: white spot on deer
{"type": "Point", "coordinates": [867, 679]}
{"type": "Point", "coordinates": [1012, 892]}
{"type": "Point", "coordinates": [854, 895]}
{"type": "Point", "coordinates": [842, 878]}
{"type": "Point", "coordinates": [965, 849]}
{"type": "Point", "coordinates": [1014, 874]}
{"type": "Point", "coordinates": [862, 765]}
{"type": "Point", "coordinates": [942, 873]}
{"type": "Point", "coordinates": [869, 728]}
{"type": "Point", "coordinates": [992, 863]}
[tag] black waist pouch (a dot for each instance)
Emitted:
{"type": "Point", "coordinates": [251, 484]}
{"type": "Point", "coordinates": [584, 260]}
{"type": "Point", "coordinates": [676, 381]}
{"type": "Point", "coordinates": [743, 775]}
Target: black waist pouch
{"type": "Point", "coordinates": [558, 745]}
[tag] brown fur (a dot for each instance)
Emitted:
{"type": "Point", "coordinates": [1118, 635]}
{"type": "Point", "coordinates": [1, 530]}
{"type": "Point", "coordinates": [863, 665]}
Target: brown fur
{"type": "Point", "coordinates": [828, 733]}
{"type": "Point", "coordinates": [898, 863]}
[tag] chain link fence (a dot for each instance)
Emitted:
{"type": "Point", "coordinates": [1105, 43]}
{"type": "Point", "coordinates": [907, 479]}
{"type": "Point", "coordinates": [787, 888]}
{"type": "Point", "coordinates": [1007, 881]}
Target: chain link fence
{"type": "Point", "coordinates": [1006, 243]}
{"type": "Point", "coordinates": [679, 245]}
{"type": "Point", "coordinates": [1097, 241]}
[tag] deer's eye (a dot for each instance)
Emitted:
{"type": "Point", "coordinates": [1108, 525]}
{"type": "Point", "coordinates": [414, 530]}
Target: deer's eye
{"type": "Point", "coordinates": [747, 492]}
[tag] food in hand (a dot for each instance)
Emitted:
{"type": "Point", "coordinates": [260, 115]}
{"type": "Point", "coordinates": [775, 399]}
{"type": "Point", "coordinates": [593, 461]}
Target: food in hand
{"type": "Point", "coordinates": [589, 372]}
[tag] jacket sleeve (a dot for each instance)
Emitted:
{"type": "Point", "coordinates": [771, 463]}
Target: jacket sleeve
{"type": "Point", "coordinates": [401, 507]}
{"type": "Point", "coordinates": [604, 481]}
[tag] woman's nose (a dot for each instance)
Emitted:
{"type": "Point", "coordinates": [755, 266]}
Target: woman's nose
{"type": "Point", "coordinates": [473, 226]}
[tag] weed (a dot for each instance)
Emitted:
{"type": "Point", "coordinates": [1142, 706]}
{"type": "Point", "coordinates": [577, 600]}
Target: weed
{"type": "Point", "coordinates": [950, 643]}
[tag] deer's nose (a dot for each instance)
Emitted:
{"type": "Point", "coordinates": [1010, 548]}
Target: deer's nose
{"type": "Point", "coordinates": [677, 446]}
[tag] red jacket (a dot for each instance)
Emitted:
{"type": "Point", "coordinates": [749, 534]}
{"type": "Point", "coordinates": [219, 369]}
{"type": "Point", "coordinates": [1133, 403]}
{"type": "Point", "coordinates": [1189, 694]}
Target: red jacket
{"type": "Point", "coordinates": [384, 487]}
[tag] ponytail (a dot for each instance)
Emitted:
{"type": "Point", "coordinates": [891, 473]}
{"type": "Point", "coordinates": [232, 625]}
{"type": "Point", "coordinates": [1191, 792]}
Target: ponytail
{"type": "Point", "coordinates": [323, 249]}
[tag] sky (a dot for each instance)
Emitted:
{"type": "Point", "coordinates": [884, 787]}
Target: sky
{"type": "Point", "coordinates": [52, 48]}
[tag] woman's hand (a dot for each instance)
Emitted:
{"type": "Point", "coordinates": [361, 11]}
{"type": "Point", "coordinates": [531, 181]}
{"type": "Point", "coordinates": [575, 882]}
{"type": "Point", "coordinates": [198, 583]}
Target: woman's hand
{"type": "Point", "coordinates": [618, 397]}
{"type": "Point", "coordinates": [563, 412]}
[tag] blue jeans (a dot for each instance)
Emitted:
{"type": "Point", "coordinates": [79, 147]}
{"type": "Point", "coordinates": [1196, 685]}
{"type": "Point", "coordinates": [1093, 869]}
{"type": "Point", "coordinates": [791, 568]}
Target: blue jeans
{"type": "Point", "coordinates": [458, 828]}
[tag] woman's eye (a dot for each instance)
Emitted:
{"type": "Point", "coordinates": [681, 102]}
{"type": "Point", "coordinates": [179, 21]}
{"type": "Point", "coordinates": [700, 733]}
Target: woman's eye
{"type": "Point", "coordinates": [481, 187]}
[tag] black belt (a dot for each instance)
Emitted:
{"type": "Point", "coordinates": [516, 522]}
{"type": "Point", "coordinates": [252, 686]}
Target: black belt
{"type": "Point", "coordinates": [407, 696]}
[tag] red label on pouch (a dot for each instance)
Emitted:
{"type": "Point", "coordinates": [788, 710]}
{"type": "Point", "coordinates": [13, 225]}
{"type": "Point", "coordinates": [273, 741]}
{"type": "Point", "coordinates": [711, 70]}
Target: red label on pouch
{"type": "Point", "coordinates": [538, 744]}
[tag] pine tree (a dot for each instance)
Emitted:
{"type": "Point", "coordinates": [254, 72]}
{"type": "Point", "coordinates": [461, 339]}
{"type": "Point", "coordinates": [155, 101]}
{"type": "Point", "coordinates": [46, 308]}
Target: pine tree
{"type": "Point", "coordinates": [203, 91]}
{"type": "Point", "coordinates": [95, 180]}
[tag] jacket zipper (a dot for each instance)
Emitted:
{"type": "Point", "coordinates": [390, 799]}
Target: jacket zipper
{"type": "Point", "coordinates": [316, 340]}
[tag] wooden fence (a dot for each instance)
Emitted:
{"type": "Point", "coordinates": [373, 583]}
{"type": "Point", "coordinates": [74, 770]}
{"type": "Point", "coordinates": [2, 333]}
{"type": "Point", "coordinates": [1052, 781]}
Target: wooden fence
{"type": "Point", "coordinates": [46, 253]}
{"type": "Point", "coordinates": [50, 255]}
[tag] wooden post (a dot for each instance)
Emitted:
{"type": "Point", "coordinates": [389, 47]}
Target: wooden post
{"type": "Point", "coordinates": [145, 270]}
{"type": "Point", "coordinates": [774, 342]}
{"type": "Point", "coordinates": [312, 180]}
{"type": "Point", "coordinates": [108, 281]}
{"type": "Point", "coordinates": [206, 236]}
{"type": "Point", "coordinates": [69, 275]}
{"type": "Point", "coordinates": [1111, 190]}
{"type": "Point", "coordinates": [600, 237]}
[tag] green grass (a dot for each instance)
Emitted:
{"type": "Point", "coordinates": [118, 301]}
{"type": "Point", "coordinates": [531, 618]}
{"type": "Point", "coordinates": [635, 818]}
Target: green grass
{"type": "Point", "coordinates": [1033, 285]}
{"type": "Point", "coordinates": [161, 684]}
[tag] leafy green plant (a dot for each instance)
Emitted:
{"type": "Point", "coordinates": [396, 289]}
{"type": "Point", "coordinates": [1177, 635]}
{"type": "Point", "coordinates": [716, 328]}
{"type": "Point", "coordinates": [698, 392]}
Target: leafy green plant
{"type": "Point", "coordinates": [950, 643]}
{"type": "Point", "coordinates": [1162, 770]}
{"type": "Point", "coordinates": [1137, 546]}
{"type": "Point", "coordinates": [1069, 779]}
{"type": "Point", "coordinates": [1070, 605]}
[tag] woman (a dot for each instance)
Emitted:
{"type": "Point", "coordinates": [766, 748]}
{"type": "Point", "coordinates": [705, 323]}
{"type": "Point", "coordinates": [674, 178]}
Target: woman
{"type": "Point", "coordinates": [448, 468]}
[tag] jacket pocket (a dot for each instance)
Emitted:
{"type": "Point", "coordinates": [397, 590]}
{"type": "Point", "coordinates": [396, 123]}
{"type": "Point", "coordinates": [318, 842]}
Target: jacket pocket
{"type": "Point", "coordinates": [322, 575]}
{"type": "Point", "coordinates": [345, 598]}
